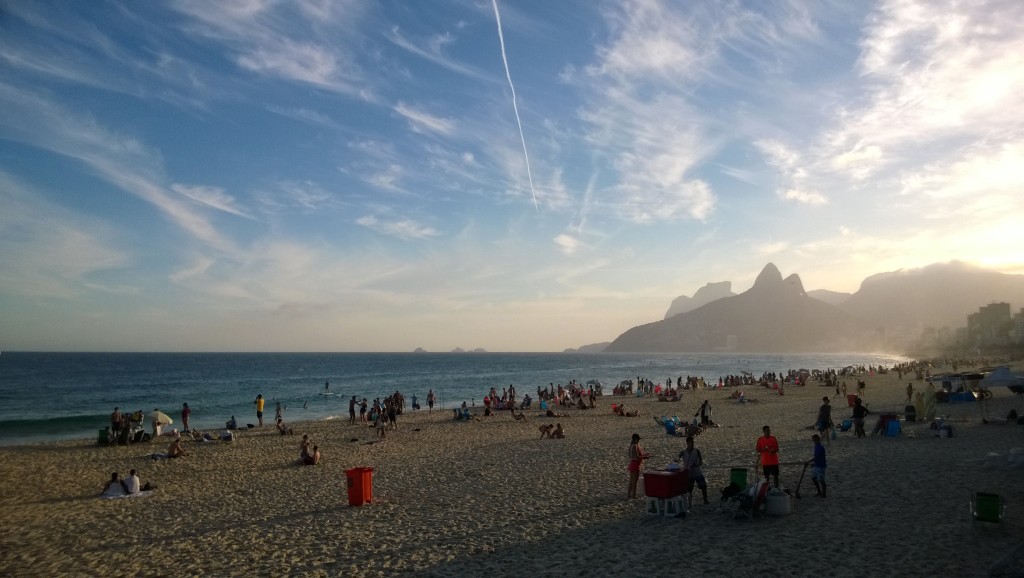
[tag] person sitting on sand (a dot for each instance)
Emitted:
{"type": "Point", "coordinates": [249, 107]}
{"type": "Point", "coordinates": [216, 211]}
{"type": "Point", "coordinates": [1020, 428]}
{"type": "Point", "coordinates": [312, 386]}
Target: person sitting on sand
{"type": "Point", "coordinates": [518, 416]}
{"type": "Point", "coordinates": [282, 428]}
{"type": "Point", "coordinates": [558, 432]}
{"type": "Point", "coordinates": [312, 458]}
{"type": "Point", "coordinates": [551, 413]}
{"type": "Point", "coordinates": [231, 424]}
{"type": "Point", "coordinates": [175, 450]}
{"type": "Point", "coordinates": [113, 487]}
{"type": "Point", "coordinates": [545, 430]}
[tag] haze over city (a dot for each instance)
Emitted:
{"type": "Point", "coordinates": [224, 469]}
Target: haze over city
{"type": "Point", "coordinates": [529, 176]}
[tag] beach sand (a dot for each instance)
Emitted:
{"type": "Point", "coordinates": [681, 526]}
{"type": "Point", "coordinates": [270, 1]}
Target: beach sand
{"type": "Point", "coordinates": [489, 498]}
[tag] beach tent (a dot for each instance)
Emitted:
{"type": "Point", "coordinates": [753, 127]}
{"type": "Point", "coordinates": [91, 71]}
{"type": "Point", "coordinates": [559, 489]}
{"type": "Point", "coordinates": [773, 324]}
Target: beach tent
{"type": "Point", "coordinates": [1002, 376]}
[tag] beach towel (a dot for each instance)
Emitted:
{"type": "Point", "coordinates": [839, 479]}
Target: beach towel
{"type": "Point", "coordinates": [135, 495]}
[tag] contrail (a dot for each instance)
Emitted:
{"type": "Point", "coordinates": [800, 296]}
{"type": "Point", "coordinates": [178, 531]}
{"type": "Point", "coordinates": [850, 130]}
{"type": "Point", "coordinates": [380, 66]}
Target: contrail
{"type": "Point", "coordinates": [522, 137]}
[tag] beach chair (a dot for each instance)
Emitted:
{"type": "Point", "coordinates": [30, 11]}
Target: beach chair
{"type": "Point", "coordinates": [738, 476]}
{"type": "Point", "coordinates": [986, 507]}
{"type": "Point", "coordinates": [748, 503]}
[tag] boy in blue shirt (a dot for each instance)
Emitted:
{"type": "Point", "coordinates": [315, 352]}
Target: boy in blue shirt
{"type": "Point", "coordinates": [818, 466]}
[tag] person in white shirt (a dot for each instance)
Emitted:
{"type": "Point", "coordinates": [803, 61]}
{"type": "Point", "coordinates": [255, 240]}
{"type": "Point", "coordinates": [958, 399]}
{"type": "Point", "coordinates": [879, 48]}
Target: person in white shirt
{"type": "Point", "coordinates": [131, 483]}
{"type": "Point", "coordinates": [113, 487]}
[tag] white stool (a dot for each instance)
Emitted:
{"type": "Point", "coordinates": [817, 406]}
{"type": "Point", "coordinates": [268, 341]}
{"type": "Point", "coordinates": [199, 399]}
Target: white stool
{"type": "Point", "coordinates": [654, 506]}
{"type": "Point", "coordinates": [674, 506]}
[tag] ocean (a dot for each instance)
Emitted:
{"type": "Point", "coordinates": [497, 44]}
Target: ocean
{"type": "Point", "coordinates": [54, 396]}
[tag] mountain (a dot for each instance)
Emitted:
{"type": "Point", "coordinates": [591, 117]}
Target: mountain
{"type": "Point", "coordinates": [939, 295]}
{"type": "Point", "coordinates": [703, 296]}
{"type": "Point", "coordinates": [592, 348]}
{"type": "Point", "coordinates": [830, 297]}
{"type": "Point", "coordinates": [774, 316]}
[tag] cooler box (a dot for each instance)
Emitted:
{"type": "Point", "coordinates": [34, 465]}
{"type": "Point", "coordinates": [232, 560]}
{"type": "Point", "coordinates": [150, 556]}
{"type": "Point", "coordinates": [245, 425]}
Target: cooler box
{"type": "Point", "coordinates": [777, 504]}
{"type": "Point", "coordinates": [360, 486]}
{"type": "Point", "coordinates": [664, 484]}
{"type": "Point", "coordinates": [851, 399]}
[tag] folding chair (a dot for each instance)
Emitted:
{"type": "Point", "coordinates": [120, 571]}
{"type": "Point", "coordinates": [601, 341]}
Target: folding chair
{"type": "Point", "coordinates": [748, 503]}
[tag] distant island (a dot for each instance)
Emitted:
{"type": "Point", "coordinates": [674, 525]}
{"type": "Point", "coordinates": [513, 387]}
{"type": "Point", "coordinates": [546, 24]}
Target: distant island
{"type": "Point", "coordinates": [456, 350]}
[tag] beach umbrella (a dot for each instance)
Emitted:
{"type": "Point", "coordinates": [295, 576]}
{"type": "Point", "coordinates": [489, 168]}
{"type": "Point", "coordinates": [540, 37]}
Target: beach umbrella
{"type": "Point", "coordinates": [1002, 376]}
{"type": "Point", "coordinates": [159, 416]}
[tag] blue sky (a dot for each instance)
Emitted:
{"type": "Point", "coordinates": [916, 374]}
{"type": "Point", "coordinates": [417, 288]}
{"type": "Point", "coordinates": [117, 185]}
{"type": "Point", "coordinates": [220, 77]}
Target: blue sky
{"type": "Point", "coordinates": [357, 175]}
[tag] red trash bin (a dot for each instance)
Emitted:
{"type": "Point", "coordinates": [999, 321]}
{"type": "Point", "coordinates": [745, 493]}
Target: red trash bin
{"type": "Point", "coordinates": [360, 486]}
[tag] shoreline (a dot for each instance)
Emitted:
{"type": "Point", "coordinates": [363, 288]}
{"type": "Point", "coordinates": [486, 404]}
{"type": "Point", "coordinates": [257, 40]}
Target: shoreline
{"type": "Point", "coordinates": [491, 497]}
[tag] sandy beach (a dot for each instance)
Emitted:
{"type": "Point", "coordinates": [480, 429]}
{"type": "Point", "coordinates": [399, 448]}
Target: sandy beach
{"type": "Point", "coordinates": [489, 498]}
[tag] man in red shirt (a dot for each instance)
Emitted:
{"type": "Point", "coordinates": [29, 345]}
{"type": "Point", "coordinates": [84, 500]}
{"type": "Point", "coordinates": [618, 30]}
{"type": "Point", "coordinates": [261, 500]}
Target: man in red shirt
{"type": "Point", "coordinates": [768, 452]}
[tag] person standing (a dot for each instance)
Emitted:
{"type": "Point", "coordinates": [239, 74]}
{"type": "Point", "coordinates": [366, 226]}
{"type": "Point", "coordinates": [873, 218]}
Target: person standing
{"type": "Point", "coordinates": [352, 410]}
{"type": "Point", "coordinates": [859, 411]}
{"type": "Point", "coordinates": [185, 413]}
{"type": "Point", "coordinates": [823, 424]}
{"type": "Point", "coordinates": [818, 466]}
{"type": "Point", "coordinates": [278, 412]}
{"type": "Point", "coordinates": [259, 408]}
{"type": "Point", "coordinates": [705, 414]}
{"type": "Point", "coordinates": [362, 412]}
{"type": "Point", "coordinates": [637, 455]}
{"type": "Point", "coordinates": [768, 454]}
{"type": "Point", "coordinates": [116, 424]}
{"type": "Point", "coordinates": [692, 460]}
{"type": "Point", "coordinates": [910, 392]}
{"type": "Point", "coordinates": [430, 401]}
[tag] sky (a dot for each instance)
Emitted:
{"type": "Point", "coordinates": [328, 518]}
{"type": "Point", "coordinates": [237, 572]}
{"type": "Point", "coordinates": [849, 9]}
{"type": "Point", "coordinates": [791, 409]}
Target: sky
{"type": "Point", "coordinates": [368, 175]}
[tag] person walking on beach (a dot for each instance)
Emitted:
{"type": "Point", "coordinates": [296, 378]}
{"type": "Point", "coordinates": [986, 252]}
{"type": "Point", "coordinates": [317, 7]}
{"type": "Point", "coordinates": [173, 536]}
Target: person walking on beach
{"type": "Point", "coordinates": [768, 454]}
{"type": "Point", "coordinates": [691, 460]}
{"type": "Point", "coordinates": [637, 455]}
{"type": "Point", "coordinates": [823, 424]}
{"type": "Point", "coordinates": [818, 466]}
{"type": "Point", "coordinates": [185, 412]}
{"type": "Point", "coordinates": [352, 410]}
{"type": "Point", "coordinates": [910, 392]}
{"type": "Point", "coordinates": [259, 408]}
{"type": "Point", "coordinates": [430, 401]}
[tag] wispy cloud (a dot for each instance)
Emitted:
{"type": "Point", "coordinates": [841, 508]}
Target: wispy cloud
{"type": "Point", "coordinates": [435, 53]}
{"type": "Point", "coordinates": [403, 229]}
{"type": "Point", "coordinates": [51, 251]}
{"type": "Point", "coordinates": [261, 38]}
{"type": "Point", "coordinates": [567, 244]}
{"type": "Point", "coordinates": [121, 160]}
{"type": "Point", "coordinates": [424, 122]}
{"type": "Point", "coordinates": [213, 197]}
